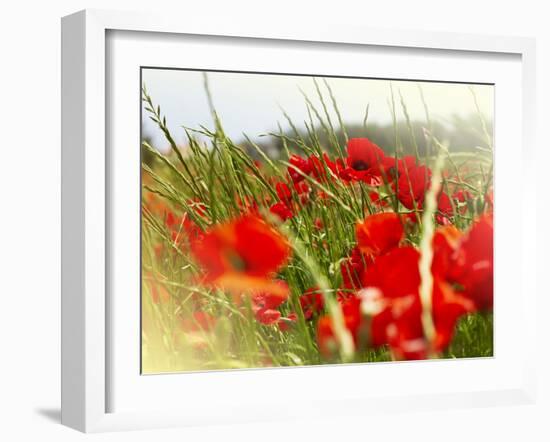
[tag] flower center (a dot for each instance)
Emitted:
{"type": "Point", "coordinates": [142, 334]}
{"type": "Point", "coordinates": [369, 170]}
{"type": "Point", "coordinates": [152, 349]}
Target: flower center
{"type": "Point", "coordinates": [236, 261]}
{"type": "Point", "coordinates": [360, 165]}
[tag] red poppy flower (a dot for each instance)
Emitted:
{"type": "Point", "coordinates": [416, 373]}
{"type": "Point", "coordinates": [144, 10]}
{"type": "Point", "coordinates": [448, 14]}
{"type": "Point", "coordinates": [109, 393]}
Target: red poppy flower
{"type": "Point", "coordinates": [318, 167]}
{"type": "Point", "coordinates": [267, 316]}
{"type": "Point", "coordinates": [448, 307]}
{"type": "Point", "coordinates": [395, 274]}
{"type": "Point", "coordinates": [270, 300]}
{"type": "Point", "coordinates": [285, 324]}
{"type": "Point", "coordinates": [444, 209]}
{"type": "Point", "coordinates": [395, 167]}
{"type": "Point", "coordinates": [284, 193]}
{"type": "Point", "coordinates": [364, 161]}
{"type": "Point", "coordinates": [409, 217]}
{"type": "Point", "coordinates": [353, 268]}
{"type": "Point", "coordinates": [473, 265]}
{"type": "Point", "coordinates": [461, 196]}
{"type": "Point", "coordinates": [281, 210]}
{"type": "Point", "coordinates": [379, 233]}
{"type": "Point", "coordinates": [412, 184]}
{"type": "Point", "coordinates": [242, 255]}
{"type": "Point", "coordinates": [265, 304]}
{"type": "Point", "coordinates": [344, 296]}
{"type": "Point", "coordinates": [312, 303]}
{"type": "Point", "coordinates": [326, 338]}
{"type": "Point", "coordinates": [376, 199]}
{"type": "Point", "coordinates": [445, 243]}
{"type": "Point", "coordinates": [397, 321]}
{"type": "Point", "coordinates": [302, 165]}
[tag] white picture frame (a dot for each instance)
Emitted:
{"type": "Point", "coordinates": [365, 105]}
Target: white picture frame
{"type": "Point", "coordinates": [86, 213]}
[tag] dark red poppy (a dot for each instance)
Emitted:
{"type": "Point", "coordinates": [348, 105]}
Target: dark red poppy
{"type": "Point", "coordinates": [395, 167]}
{"type": "Point", "coordinates": [364, 161]}
{"type": "Point", "coordinates": [379, 233]}
{"type": "Point", "coordinates": [312, 303]}
{"type": "Point", "coordinates": [353, 268]}
{"type": "Point", "coordinates": [377, 200]}
{"type": "Point", "coordinates": [242, 255]}
{"type": "Point", "coordinates": [284, 193]}
{"type": "Point", "coordinates": [444, 209]}
{"type": "Point", "coordinates": [302, 165]}
{"type": "Point", "coordinates": [411, 185]}
{"type": "Point", "coordinates": [281, 210]}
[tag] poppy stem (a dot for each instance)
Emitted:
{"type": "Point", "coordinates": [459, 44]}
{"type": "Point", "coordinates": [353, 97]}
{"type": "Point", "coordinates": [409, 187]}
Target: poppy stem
{"type": "Point", "coordinates": [426, 252]}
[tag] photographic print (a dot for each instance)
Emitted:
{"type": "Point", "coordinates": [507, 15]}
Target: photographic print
{"type": "Point", "coordinates": [299, 220]}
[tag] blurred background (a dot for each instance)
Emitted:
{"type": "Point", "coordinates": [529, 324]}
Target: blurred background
{"type": "Point", "coordinates": [255, 104]}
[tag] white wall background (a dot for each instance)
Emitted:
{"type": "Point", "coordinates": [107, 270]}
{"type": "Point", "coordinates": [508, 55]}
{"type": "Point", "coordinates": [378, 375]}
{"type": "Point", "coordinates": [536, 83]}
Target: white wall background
{"type": "Point", "coordinates": [30, 217]}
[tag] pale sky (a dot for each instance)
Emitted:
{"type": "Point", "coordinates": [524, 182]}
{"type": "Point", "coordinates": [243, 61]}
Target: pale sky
{"type": "Point", "coordinates": [251, 103]}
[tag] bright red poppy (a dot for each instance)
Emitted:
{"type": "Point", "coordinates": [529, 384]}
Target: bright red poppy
{"type": "Point", "coordinates": [242, 255]}
{"type": "Point", "coordinates": [396, 321]}
{"type": "Point", "coordinates": [320, 168]}
{"type": "Point", "coordinates": [412, 184]}
{"type": "Point", "coordinates": [379, 233]}
{"type": "Point", "coordinates": [473, 263]}
{"type": "Point", "coordinates": [364, 162]}
{"type": "Point", "coordinates": [326, 338]}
